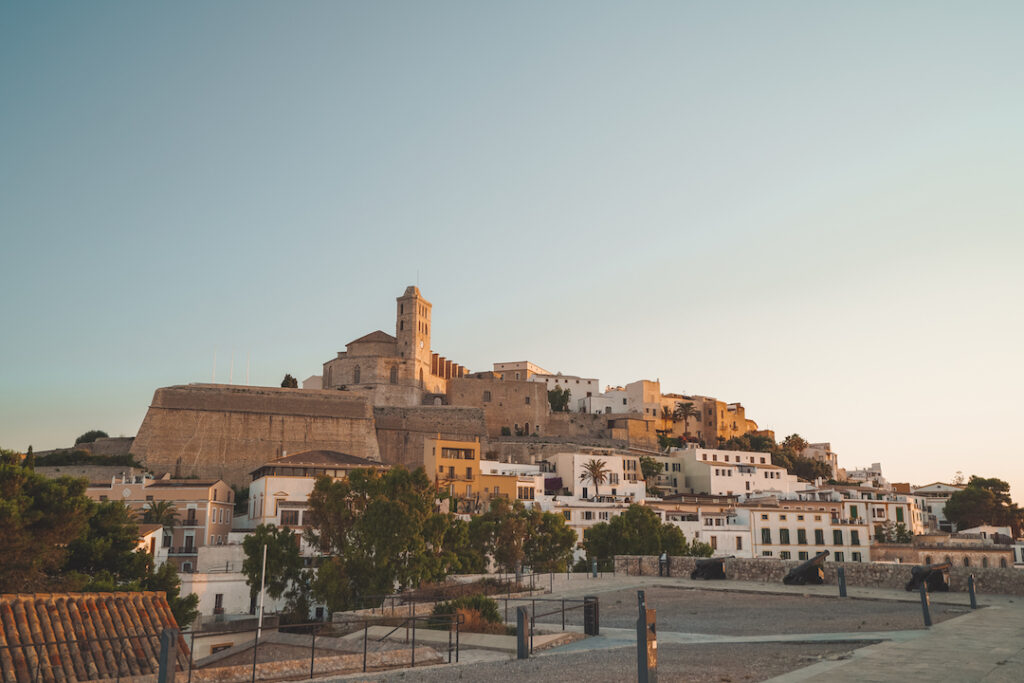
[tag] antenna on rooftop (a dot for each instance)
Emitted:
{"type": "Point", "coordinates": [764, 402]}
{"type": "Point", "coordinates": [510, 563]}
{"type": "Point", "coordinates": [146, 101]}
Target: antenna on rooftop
{"type": "Point", "coordinates": [231, 372]}
{"type": "Point", "coordinates": [247, 354]}
{"type": "Point", "coordinates": [213, 377]}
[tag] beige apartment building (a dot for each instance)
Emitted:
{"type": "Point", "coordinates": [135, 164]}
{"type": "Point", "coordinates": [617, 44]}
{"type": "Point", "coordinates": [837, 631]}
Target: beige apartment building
{"type": "Point", "coordinates": [204, 511]}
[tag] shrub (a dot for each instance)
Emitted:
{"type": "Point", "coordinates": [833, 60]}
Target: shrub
{"type": "Point", "coordinates": [478, 611]}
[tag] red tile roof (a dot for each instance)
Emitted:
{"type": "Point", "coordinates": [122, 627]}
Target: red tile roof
{"type": "Point", "coordinates": [83, 636]}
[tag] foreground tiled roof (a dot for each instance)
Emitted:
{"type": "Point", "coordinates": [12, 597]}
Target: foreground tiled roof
{"type": "Point", "coordinates": [83, 636]}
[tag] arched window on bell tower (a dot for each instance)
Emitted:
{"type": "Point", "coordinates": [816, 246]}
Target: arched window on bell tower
{"type": "Point", "coordinates": [355, 375]}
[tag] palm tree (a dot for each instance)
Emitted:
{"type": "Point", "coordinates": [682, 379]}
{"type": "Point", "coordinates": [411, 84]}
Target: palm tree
{"type": "Point", "coordinates": [667, 416]}
{"type": "Point", "coordinates": [684, 411]}
{"type": "Point", "coordinates": [161, 512]}
{"type": "Point", "coordinates": [595, 471]}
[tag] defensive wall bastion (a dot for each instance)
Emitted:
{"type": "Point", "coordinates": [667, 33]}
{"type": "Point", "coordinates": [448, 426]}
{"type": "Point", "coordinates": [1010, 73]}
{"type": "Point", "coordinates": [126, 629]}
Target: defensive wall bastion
{"type": "Point", "coordinates": [226, 431]}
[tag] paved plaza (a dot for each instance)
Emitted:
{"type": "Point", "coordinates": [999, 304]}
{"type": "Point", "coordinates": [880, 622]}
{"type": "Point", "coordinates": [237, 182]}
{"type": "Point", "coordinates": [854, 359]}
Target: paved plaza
{"type": "Point", "coordinates": [749, 631]}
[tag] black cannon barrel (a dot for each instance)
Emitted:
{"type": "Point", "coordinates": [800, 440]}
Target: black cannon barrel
{"type": "Point", "coordinates": [935, 576]}
{"type": "Point", "coordinates": [809, 571]}
{"type": "Point", "coordinates": [710, 568]}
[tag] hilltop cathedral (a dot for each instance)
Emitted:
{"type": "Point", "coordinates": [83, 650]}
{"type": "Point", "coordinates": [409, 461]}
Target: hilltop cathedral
{"type": "Point", "coordinates": [399, 370]}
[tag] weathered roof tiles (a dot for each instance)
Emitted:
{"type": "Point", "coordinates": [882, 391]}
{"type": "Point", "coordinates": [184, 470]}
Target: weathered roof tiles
{"type": "Point", "coordinates": [83, 636]}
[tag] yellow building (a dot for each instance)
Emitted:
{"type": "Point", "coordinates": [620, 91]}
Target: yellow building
{"type": "Point", "coordinates": [456, 466]}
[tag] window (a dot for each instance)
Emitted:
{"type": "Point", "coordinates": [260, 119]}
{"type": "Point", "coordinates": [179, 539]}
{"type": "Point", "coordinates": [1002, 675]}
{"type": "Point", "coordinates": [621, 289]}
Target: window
{"type": "Point", "coordinates": [394, 374]}
{"type": "Point", "coordinates": [784, 555]}
{"type": "Point", "coordinates": [525, 493]}
{"type": "Point", "coordinates": [855, 540]}
{"type": "Point", "coordinates": [289, 517]}
{"type": "Point", "coordinates": [967, 562]}
{"type": "Point", "coordinates": [819, 537]}
{"type": "Point", "coordinates": [527, 400]}
{"type": "Point", "coordinates": [782, 517]}
{"type": "Point", "coordinates": [1002, 562]}
{"type": "Point", "coordinates": [218, 601]}
{"type": "Point", "coordinates": [837, 536]}
{"type": "Point", "coordinates": [766, 553]}
{"type": "Point", "coordinates": [766, 536]}
{"type": "Point", "coordinates": [800, 518]}
{"type": "Point", "coordinates": [802, 555]}
{"type": "Point", "coordinates": [103, 499]}
{"type": "Point", "coordinates": [853, 512]}
{"type": "Point", "coordinates": [840, 557]}
{"type": "Point", "coordinates": [764, 516]}
{"type": "Point", "coordinates": [567, 515]}
{"type": "Point", "coordinates": [714, 542]}
{"type": "Point", "coordinates": [588, 515]}
{"type": "Point", "coordinates": [739, 543]}
{"type": "Point", "coordinates": [899, 514]}
{"type": "Point", "coordinates": [817, 518]}
{"type": "Point", "coordinates": [487, 396]}
{"type": "Point", "coordinates": [469, 473]}
{"type": "Point", "coordinates": [602, 515]}
{"type": "Point", "coordinates": [801, 536]}
{"type": "Point", "coordinates": [984, 562]}
{"type": "Point", "coordinates": [856, 557]}
{"type": "Point", "coordinates": [784, 536]}
{"type": "Point", "coordinates": [356, 375]}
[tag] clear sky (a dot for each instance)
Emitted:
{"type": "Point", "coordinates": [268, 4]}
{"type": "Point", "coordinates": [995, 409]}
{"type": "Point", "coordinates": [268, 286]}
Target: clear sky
{"type": "Point", "coordinates": [816, 209]}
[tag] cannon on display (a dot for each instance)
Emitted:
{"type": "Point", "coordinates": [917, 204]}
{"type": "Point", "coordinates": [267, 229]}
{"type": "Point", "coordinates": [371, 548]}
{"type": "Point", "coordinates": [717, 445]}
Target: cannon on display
{"type": "Point", "coordinates": [807, 572]}
{"type": "Point", "coordinates": [710, 568]}
{"type": "Point", "coordinates": [935, 576]}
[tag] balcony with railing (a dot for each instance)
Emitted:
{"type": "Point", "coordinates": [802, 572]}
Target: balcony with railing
{"type": "Point", "coordinates": [183, 550]}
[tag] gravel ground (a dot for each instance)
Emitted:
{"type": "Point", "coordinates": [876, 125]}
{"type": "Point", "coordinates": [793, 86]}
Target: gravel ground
{"type": "Point", "coordinates": [699, 663]}
{"type": "Point", "coordinates": [735, 613]}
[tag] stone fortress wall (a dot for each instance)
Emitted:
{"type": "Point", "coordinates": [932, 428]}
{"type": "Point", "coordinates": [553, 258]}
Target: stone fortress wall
{"type": "Point", "coordinates": [222, 431]}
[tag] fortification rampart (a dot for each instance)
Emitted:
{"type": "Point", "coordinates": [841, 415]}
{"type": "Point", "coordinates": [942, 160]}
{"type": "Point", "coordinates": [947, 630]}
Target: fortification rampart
{"type": "Point", "coordinates": [401, 431]}
{"type": "Point", "coordinates": [224, 431]}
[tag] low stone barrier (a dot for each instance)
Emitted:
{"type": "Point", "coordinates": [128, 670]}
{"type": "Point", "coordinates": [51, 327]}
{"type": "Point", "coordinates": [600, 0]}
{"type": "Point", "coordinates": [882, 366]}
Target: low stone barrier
{"type": "Point", "coordinates": [416, 609]}
{"type": "Point", "coordinates": [1008, 581]}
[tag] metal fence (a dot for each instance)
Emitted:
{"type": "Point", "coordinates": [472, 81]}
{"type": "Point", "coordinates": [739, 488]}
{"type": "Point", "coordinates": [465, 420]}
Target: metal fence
{"type": "Point", "coordinates": [116, 657]}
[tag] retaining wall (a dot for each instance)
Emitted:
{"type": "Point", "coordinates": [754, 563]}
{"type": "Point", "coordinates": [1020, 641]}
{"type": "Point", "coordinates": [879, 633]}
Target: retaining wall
{"type": "Point", "coordinates": [1007, 581]}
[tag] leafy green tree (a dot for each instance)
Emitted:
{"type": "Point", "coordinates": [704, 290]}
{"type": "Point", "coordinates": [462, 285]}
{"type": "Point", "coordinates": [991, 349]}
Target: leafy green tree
{"type": "Point", "coordinates": [512, 535]}
{"type": "Point", "coordinates": [558, 398]}
{"type": "Point", "coordinates": [91, 435]}
{"type": "Point", "coordinates": [984, 501]}
{"type": "Point", "coordinates": [596, 471]}
{"type": "Point", "coordinates": [284, 561]}
{"type": "Point", "coordinates": [638, 531]}
{"type": "Point", "coordinates": [893, 532]}
{"type": "Point", "coordinates": [165, 578]}
{"type": "Point", "coordinates": [794, 443]}
{"type": "Point", "coordinates": [651, 469]}
{"type": "Point", "coordinates": [684, 411]}
{"type": "Point", "coordinates": [378, 532]}
{"type": "Point", "coordinates": [38, 516]}
{"type": "Point", "coordinates": [241, 499]}
{"type": "Point", "coordinates": [106, 551]}
{"type": "Point", "coordinates": [30, 459]}
{"type": "Point", "coordinates": [289, 382]}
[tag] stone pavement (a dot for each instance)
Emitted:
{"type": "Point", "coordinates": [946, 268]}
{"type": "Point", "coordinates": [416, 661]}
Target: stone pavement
{"type": "Point", "coordinates": [984, 645]}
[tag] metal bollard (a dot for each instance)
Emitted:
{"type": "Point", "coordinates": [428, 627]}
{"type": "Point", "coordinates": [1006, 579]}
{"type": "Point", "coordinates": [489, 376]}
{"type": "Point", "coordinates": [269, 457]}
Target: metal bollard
{"type": "Point", "coordinates": [593, 568]}
{"type": "Point", "coordinates": [924, 606]}
{"type": "Point", "coordinates": [168, 655]}
{"type": "Point", "coordinates": [971, 590]}
{"type": "Point", "coordinates": [646, 642]}
{"type": "Point", "coordinates": [522, 648]}
{"type": "Point", "coordinates": [841, 573]}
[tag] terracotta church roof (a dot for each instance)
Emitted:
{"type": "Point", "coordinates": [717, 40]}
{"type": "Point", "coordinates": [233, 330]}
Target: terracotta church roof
{"type": "Point", "coordinates": [83, 636]}
{"type": "Point", "coordinates": [321, 458]}
{"type": "Point", "coordinates": [375, 337]}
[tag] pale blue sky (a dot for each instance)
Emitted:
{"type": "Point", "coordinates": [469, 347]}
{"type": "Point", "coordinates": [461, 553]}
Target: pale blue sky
{"type": "Point", "coordinates": [815, 209]}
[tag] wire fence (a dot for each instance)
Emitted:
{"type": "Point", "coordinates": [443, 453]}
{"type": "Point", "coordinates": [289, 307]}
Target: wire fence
{"type": "Point", "coordinates": [292, 652]}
